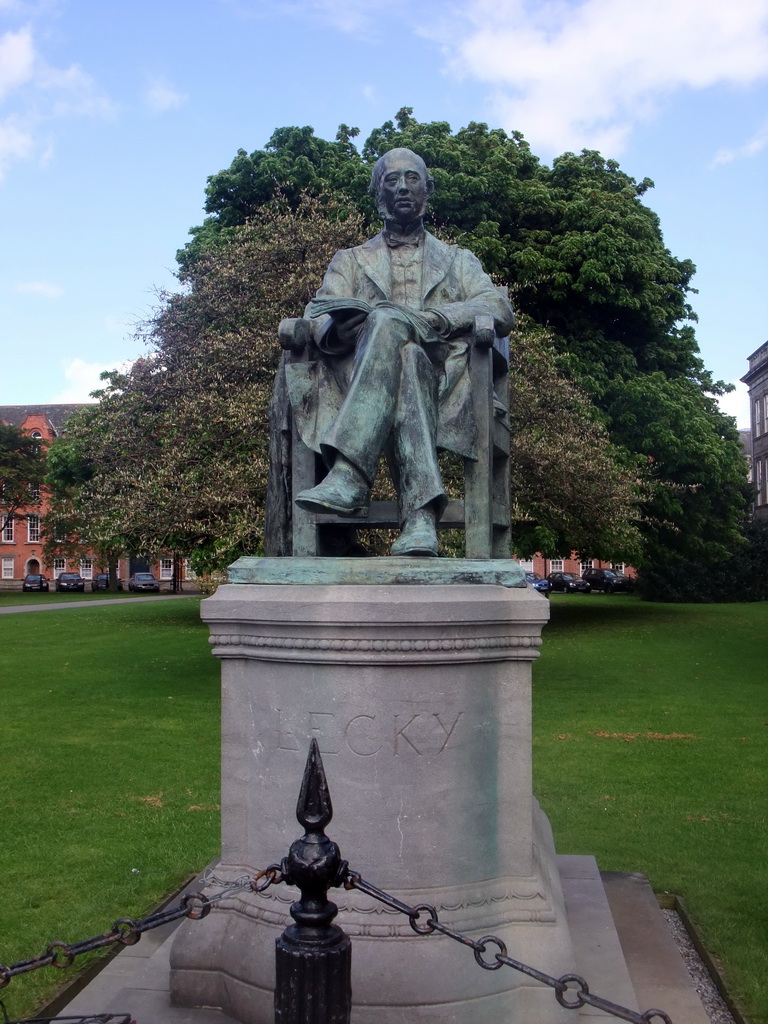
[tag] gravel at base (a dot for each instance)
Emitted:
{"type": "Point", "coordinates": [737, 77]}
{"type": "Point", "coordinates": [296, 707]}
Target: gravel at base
{"type": "Point", "coordinates": [711, 999]}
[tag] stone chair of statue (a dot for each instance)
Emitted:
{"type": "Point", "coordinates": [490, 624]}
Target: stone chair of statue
{"type": "Point", "coordinates": [483, 513]}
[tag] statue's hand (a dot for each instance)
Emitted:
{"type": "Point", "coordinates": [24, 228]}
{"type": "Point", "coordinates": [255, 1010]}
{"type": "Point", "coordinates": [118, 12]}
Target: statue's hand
{"type": "Point", "coordinates": [347, 324]}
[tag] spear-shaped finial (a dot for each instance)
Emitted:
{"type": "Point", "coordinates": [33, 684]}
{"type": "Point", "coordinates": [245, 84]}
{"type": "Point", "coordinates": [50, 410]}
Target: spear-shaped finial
{"type": "Point", "coordinates": [313, 955]}
{"type": "Point", "coordinates": [314, 810]}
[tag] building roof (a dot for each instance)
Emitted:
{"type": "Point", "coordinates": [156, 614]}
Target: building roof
{"type": "Point", "coordinates": [758, 364]}
{"type": "Point", "coordinates": [57, 415]}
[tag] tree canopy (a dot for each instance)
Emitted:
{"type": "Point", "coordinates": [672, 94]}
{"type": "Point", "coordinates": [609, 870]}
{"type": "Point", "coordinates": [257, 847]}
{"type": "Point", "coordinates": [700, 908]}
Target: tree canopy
{"type": "Point", "coordinates": [584, 259]}
{"type": "Point", "coordinates": [613, 412]}
{"type": "Point", "coordinates": [22, 466]}
{"type": "Point", "coordinates": [175, 455]}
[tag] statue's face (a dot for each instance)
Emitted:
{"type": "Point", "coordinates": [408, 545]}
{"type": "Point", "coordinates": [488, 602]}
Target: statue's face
{"type": "Point", "coordinates": [404, 189]}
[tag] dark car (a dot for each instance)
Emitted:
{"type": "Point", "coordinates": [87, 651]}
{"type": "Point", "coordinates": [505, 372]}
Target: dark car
{"type": "Point", "coordinates": [34, 581]}
{"type": "Point", "coordinates": [101, 582]}
{"type": "Point", "coordinates": [539, 583]}
{"type": "Point", "coordinates": [568, 583]}
{"type": "Point", "coordinates": [607, 580]}
{"type": "Point", "coordinates": [143, 581]}
{"type": "Point", "coordinates": [70, 581]}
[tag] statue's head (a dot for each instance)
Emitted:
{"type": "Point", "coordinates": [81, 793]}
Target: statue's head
{"type": "Point", "coordinates": [401, 185]}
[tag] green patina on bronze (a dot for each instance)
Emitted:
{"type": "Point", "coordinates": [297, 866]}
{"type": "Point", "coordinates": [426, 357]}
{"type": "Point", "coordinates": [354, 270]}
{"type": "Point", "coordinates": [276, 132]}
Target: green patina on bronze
{"type": "Point", "coordinates": [392, 369]}
{"type": "Point", "coordinates": [383, 571]}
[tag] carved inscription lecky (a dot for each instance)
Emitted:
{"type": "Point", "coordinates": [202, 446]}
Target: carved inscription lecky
{"type": "Point", "coordinates": [417, 733]}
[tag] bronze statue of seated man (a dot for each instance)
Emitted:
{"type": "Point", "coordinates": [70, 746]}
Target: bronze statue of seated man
{"type": "Point", "coordinates": [391, 321]}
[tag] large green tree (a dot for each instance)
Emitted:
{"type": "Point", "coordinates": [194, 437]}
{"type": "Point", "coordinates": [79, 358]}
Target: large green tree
{"type": "Point", "coordinates": [175, 455]}
{"type": "Point", "coordinates": [22, 465]}
{"type": "Point", "coordinates": [584, 258]}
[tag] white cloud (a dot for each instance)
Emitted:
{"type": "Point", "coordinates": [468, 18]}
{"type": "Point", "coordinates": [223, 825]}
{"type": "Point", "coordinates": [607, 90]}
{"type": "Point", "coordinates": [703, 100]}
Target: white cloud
{"type": "Point", "coordinates": [352, 16]}
{"type": "Point", "coordinates": [573, 75]}
{"type": "Point", "coordinates": [15, 143]}
{"type": "Point", "coordinates": [356, 17]}
{"type": "Point", "coordinates": [83, 378]}
{"type": "Point", "coordinates": [36, 93]}
{"type": "Point", "coordinates": [161, 96]}
{"type": "Point", "coordinates": [72, 91]}
{"type": "Point", "coordinates": [736, 403]}
{"type": "Point", "coordinates": [754, 145]}
{"type": "Point", "coordinates": [16, 60]}
{"type": "Point", "coordinates": [42, 288]}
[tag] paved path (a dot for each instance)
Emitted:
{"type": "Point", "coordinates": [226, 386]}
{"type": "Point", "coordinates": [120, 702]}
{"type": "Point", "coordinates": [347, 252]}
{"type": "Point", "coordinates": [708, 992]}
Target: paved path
{"type": "Point", "coordinates": [60, 606]}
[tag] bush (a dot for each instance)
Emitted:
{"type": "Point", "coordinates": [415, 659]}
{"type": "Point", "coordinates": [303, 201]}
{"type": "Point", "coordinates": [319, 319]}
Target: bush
{"type": "Point", "coordinates": [209, 583]}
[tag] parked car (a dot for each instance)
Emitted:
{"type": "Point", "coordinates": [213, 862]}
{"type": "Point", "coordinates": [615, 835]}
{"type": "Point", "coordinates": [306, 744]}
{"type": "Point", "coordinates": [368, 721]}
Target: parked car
{"type": "Point", "coordinates": [101, 582]}
{"type": "Point", "coordinates": [34, 581]}
{"type": "Point", "coordinates": [144, 581]}
{"type": "Point", "coordinates": [607, 580]}
{"type": "Point", "coordinates": [539, 583]}
{"type": "Point", "coordinates": [568, 583]}
{"type": "Point", "coordinates": [70, 581]}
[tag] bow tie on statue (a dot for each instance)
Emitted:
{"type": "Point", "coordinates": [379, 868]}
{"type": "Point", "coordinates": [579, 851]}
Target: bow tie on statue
{"type": "Point", "coordinates": [394, 241]}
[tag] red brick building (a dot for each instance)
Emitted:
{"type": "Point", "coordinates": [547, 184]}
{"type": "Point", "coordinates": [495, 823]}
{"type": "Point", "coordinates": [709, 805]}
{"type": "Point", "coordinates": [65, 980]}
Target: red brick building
{"type": "Point", "coordinates": [571, 563]}
{"type": "Point", "coordinates": [21, 542]}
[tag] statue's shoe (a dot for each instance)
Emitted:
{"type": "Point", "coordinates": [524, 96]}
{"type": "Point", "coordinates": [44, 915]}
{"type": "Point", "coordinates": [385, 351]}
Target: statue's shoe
{"type": "Point", "coordinates": [341, 495]}
{"type": "Point", "coordinates": [419, 537]}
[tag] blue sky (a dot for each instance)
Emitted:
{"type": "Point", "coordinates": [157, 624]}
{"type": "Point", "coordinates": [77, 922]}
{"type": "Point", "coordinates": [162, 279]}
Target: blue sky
{"type": "Point", "coordinates": [113, 114]}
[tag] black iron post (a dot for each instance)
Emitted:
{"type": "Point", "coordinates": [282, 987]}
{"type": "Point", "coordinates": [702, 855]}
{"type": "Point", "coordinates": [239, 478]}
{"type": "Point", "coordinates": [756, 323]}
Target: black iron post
{"type": "Point", "coordinates": [313, 957]}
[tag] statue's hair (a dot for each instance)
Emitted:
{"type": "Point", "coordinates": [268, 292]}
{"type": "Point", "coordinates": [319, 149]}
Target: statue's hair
{"type": "Point", "coordinates": [378, 168]}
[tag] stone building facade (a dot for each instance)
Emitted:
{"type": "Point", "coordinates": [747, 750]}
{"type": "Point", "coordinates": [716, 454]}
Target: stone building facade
{"type": "Point", "coordinates": [756, 379]}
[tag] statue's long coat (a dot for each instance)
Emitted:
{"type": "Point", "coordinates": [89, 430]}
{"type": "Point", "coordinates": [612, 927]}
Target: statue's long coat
{"type": "Point", "coordinates": [454, 282]}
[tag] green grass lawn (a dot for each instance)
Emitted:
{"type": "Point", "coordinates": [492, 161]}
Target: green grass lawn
{"type": "Point", "coordinates": [109, 778]}
{"type": "Point", "coordinates": [650, 752]}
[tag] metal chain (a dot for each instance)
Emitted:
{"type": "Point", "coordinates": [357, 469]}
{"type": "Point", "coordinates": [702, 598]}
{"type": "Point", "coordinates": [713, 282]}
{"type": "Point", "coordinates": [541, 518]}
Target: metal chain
{"type": "Point", "coordinates": [127, 932]}
{"type": "Point", "coordinates": [571, 990]}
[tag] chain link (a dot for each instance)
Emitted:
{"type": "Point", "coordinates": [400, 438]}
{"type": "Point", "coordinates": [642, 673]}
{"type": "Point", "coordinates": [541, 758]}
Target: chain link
{"type": "Point", "coordinates": [571, 990]}
{"type": "Point", "coordinates": [127, 932]}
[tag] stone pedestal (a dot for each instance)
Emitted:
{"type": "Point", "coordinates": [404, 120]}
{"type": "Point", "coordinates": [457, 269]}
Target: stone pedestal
{"type": "Point", "coordinates": [419, 697]}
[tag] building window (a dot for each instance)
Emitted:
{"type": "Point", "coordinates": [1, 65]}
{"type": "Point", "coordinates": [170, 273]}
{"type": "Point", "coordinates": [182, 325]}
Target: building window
{"type": "Point", "coordinates": [59, 566]}
{"type": "Point", "coordinates": [189, 572]}
{"type": "Point", "coordinates": [33, 529]}
{"type": "Point", "coordinates": [583, 566]}
{"type": "Point", "coordinates": [760, 481]}
{"type": "Point", "coordinates": [556, 565]}
{"type": "Point", "coordinates": [618, 566]}
{"type": "Point", "coordinates": [8, 530]}
{"type": "Point", "coordinates": [86, 568]}
{"type": "Point", "coordinates": [7, 568]}
{"type": "Point", "coordinates": [759, 415]}
{"type": "Point", "coordinates": [34, 492]}
{"type": "Point", "coordinates": [526, 564]}
{"type": "Point", "coordinates": [166, 568]}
